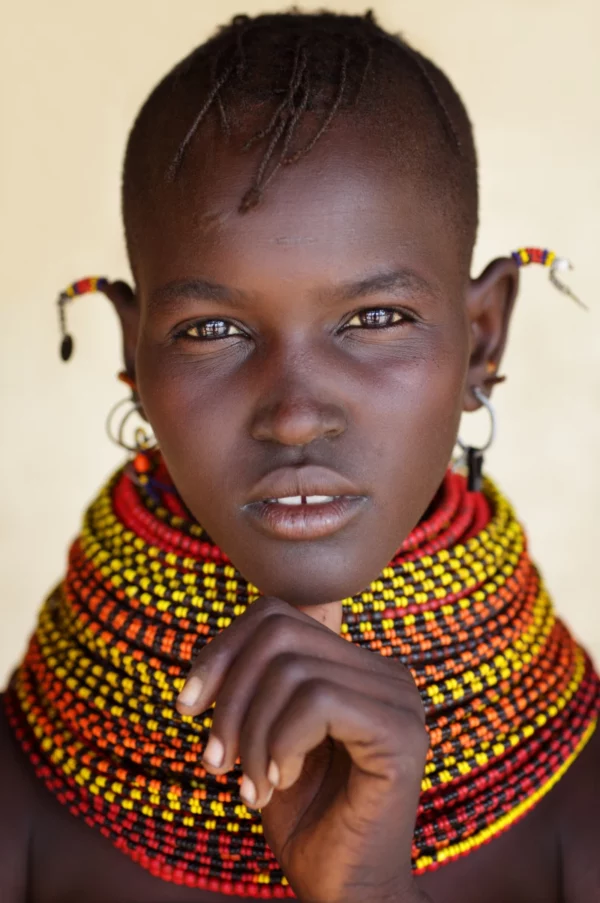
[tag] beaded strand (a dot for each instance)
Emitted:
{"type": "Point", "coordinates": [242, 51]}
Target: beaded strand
{"type": "Point", "coordinates": [510, 697]}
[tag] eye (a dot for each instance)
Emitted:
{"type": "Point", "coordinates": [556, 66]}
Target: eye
{"type": "Point", "coordinates": [379, 318]}
{"type": "Point", "coordinates": [207, 330]}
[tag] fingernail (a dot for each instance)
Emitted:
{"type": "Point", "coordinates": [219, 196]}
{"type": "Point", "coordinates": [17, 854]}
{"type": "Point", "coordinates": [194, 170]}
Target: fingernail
{"type": "Point", "coordinates": [191, 692]}
{"type": "Point", "coordinates": [273, 773]}
{"type": "Point", "coordinates": [248, 790]}
{"type": "Point", "coordinates": [214, 751]}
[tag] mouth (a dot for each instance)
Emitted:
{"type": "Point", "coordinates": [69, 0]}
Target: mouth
{"type": "Point", "coordinates": [303, 503]}
{"type": "Point", "coordinates": [304, 517]}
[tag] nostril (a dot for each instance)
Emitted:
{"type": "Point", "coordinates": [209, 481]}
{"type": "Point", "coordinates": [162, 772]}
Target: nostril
{"type": "Point", "coordinates": [289, 423]}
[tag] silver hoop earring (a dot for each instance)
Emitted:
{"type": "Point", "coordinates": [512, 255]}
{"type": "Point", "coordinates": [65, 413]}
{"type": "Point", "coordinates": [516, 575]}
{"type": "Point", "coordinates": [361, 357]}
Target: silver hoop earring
{"type": "Point", "coordinates": [472, 456]}
{"type": "Point", "coordinates": [143, 442]}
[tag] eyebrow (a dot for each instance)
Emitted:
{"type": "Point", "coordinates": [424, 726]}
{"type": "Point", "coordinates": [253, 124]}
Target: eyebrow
{"type": "Point", "coordinates": [396, 281]}
{"type": "Point", "coordinates": [194, 290]}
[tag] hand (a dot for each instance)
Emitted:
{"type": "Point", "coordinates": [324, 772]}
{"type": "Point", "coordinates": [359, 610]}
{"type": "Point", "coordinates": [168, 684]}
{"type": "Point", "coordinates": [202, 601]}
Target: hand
{"type": "Point", "coordinates": [332, 742]}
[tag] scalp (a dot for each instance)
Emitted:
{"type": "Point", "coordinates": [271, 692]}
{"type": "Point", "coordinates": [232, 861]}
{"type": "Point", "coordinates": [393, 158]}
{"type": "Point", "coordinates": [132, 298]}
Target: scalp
{"type": "Point", "coordinates": [274, 86]}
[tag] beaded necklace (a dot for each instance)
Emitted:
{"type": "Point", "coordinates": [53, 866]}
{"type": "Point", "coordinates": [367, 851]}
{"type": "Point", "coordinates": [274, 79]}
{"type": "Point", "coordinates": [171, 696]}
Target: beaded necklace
{"type": "Point", "coordinates": [511, 698]}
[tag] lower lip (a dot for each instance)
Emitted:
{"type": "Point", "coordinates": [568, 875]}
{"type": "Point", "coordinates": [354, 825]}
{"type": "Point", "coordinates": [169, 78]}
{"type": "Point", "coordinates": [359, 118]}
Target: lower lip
{"type": "Point", "coordinates": [305, 521]}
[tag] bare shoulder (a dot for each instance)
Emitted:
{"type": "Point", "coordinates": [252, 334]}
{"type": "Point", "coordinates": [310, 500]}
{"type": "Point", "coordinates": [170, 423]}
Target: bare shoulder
{"type": "Point", "coordinates": [578, 800]}
{"type": "Point", "coordinates": [16, 813]}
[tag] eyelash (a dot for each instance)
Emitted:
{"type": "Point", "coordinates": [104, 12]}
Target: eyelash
{"type": "Point", "coordinates": [405, 318]}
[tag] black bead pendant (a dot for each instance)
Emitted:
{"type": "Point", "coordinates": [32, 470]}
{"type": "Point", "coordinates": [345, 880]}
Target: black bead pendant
{"type": "Point", "coordinates": [66, 348]}
{"type": "Point", "coordinates": [475, 468]}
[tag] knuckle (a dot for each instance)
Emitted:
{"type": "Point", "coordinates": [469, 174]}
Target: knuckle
{"type": "Point", "coordinates": [288, 668]}
{"type": "Point", "coordinates": [277, 630]}
{"type": "Point", "coordinates": [313, 693]}
{"type": "Point", "coordinates": [412, 731]}
{"type": "Point", "coordinates": [407, 745]}
{"type": "Point", "coordinates": [402, 768]}
{"type": "Point", "coordinates": [268, 605]}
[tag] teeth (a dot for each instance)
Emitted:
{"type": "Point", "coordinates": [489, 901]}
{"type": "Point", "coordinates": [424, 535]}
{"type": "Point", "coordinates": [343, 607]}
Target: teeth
{"type": "Point", "coordinates": [303, 499]}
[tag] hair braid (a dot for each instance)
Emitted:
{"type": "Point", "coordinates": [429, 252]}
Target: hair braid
{"type": "Point", "coordinates": [292, 64]}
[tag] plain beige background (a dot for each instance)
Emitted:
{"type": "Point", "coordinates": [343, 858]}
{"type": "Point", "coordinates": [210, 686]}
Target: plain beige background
{"type": "Point", "coordinates": [72, 78]}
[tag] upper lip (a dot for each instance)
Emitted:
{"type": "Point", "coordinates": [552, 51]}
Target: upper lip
{"type": "Point", "coordinates": [303, 481]}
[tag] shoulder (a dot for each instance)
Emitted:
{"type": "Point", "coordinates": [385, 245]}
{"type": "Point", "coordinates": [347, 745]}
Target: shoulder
{"type": "Point", "coordinates": [16, 811]}
{"type": "Point", "coordinates": [579, 825]}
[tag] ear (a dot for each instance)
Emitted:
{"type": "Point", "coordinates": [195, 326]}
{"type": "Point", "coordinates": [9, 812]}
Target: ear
{"type": "Point", "coordinates": [490, 302]}
{"type": "Point", "coordinates": [125, 302]}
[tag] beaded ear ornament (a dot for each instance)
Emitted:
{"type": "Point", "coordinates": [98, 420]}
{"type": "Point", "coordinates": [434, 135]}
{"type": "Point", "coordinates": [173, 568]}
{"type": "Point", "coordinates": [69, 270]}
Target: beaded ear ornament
{"type": "Point", "coordinates": [81, 287]}
{"type": "Point", "coordinates": [525, 256]}
{"type": "Point", "coordinates": [471, 459]}
{"type": "Point", "coordinates": [142, 462]}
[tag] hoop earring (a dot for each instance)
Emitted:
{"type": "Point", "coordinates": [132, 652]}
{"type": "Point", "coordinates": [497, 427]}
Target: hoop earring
{"type": "Point", "coordinates": [472, 456]}
{"type": "Point", "coordinates": [143, 442]}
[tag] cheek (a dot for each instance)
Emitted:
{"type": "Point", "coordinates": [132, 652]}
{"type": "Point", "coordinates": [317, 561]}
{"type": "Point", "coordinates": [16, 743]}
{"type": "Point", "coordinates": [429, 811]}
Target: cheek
{"type": "Point", "coordinates": [414, 420]}
{"type": "Point", "coordinates": [421, 401]}
{"type": "Point", "coordinates": [196, 426]}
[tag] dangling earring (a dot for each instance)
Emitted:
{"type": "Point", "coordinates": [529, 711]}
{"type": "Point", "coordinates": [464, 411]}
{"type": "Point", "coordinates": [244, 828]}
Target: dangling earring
{"type": "Point", "coordinates": [143, 442]}
{"type": "Point", "coordinates": [81, 287]}
{"type": "Point", "coordinates": [472, 456]}
{"type": "Point", "coordinates": [525, 256]}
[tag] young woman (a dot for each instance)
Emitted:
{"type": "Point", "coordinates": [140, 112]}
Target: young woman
{"type": "Point", "coordinates": [294, 653]}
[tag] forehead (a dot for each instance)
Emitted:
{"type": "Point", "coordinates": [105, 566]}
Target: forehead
{"type": "Point", "coordinates": [349, 206]}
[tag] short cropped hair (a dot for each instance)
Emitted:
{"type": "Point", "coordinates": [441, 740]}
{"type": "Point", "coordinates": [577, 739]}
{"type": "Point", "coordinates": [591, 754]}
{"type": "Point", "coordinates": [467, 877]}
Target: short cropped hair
{"type": "Point", "coordinates": [282, 67]}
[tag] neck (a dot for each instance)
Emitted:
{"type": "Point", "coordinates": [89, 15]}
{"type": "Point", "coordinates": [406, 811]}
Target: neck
{"type": "Point", "coordinates": [328, 613]}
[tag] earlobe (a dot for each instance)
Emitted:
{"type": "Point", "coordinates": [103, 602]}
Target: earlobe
{"type": "Point", "coordinates": [490, 303]}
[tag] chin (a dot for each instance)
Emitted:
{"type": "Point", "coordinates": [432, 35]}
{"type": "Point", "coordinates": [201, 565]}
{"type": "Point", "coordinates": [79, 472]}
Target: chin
{"type": "Point", "coordinates": [310, 586]}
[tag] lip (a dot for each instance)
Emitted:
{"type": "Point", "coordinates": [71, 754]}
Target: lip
{"type": "Point", "coordinates": [305, 521]}
{"type": "Point", "coordinates": [310, 480]}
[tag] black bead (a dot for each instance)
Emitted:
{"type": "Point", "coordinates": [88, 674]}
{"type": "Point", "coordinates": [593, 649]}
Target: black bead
{"type": "Point", "coordinates": [66, 348]}
{"type": "Point", "coordinates": [475, 464]}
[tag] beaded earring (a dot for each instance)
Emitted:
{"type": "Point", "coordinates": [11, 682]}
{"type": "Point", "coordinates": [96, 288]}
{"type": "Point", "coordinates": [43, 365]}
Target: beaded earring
{"type": "Point", "coordinates": [81, 287]}
{"type": "Point", "coordinates": [473, 456]}
{"type": "Point", "coordinates": [144, 463]}
{"type": "Point", "coordinates": [144, 444]}
{"type": "Point", "coordinates": [525, 256]}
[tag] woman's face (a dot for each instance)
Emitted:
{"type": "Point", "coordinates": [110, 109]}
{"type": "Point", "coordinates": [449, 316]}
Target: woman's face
{"type": "Point", "coordinates": [325, 328]}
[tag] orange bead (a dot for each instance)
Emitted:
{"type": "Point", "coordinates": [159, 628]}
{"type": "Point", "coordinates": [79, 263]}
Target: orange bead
{"type": "Point", "coordinates": [141, 463]}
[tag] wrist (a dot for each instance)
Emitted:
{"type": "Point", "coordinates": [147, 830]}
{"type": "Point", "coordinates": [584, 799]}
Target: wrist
{"type": "Point", "coordinates": [410, 895]}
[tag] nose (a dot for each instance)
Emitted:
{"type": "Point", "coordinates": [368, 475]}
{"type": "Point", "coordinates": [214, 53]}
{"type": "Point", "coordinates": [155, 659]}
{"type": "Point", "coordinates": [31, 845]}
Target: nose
{"type": "Point", "coordinates": [292, 409]}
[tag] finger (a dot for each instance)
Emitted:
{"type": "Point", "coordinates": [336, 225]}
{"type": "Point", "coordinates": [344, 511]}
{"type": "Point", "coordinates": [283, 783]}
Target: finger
{"type": "Point", "coordinates": [214, 659]}
{"type": "Point", "coordinates": [387, 745]}
{"type": "Point", "coordinates": [250, 701]}
{"type": "Point", "coordinates": [272, 627]}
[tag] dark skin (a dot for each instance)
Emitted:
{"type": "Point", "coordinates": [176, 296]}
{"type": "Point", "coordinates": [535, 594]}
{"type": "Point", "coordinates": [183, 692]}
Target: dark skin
{"type": "Point", "coordinates": [293, 384]}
